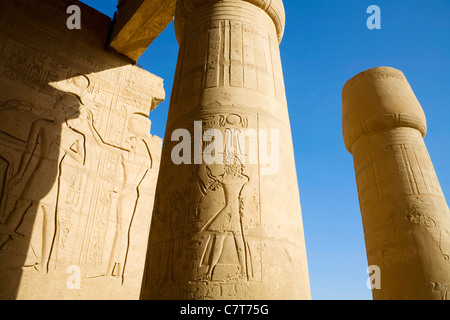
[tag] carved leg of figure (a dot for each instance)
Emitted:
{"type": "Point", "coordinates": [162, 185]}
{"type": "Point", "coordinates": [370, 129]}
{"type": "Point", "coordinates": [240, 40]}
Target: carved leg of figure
{"type": "Point", "coordinates": [111, 265]}
{"type": "Point", "coordinates": [124, 214]}
{"type": "Point", "coordinates": [4, 238]}
{"type": "Point", "coordinates": [168, 273]}
{"type": "Point", "coordinates": [13, 221]}
{"type": "Point", "coordinates": [118, 270]}
{"type": "Point", "coordinates": [240, 248]}
{"type": "Point", "coordinates": [48, 237]}
{"type": "Point", "coordinates": [112, 270]}
{"type": "Point", "coordinates": [216, 252]}
{"type": "Point", "coordinates": [127, 205]}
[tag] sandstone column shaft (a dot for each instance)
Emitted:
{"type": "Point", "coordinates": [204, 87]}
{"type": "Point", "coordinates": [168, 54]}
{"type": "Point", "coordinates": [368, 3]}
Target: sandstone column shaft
{"type": "Point", "coordinates": [405, 216]}
{"type": "Point", "coordinates": [232, 230]}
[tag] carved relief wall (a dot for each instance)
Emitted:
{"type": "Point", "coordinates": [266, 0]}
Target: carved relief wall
{"type": "Point", "coordinates": [227, 229]}
{"type": "Point", "coordinates": [78, 165]}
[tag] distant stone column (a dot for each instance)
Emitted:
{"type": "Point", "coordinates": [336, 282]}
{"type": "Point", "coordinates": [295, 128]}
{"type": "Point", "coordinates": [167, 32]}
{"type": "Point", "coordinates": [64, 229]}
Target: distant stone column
{"type": "Point", "coordinates": [227, 221]}
{"type": "Point", "coordinates": [405, 216]}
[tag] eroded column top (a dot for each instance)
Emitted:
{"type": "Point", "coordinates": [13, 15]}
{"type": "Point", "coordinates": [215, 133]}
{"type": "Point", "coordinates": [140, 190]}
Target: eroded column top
{"type": "Point", "coordinates": [274, 8]}
{"type": "Point", "coordinates": [376, 99]}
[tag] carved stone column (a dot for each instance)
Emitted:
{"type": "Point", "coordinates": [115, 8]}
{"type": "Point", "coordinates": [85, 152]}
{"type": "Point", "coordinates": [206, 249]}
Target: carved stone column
{"type": "Point", "coordinates": [230, 229]}
{"type": "Point", "coordinates": [405, 216]}
{"type": "Point", "coordinates": [78, 165]}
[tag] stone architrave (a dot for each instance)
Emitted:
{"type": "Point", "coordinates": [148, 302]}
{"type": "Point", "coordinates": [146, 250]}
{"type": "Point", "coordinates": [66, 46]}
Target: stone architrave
{"type": "Point", "coordinates": [138, 23]}
{"type": "Point", "coordinates": [228, 227]}
{"type": "Point", "coordinates": [405, 216]}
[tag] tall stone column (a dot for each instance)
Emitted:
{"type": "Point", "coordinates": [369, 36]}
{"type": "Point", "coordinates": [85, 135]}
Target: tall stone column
{"type": "Point", "coordinates": [228, 225]}
{"type": "Point", "coordinates": [405, 216]}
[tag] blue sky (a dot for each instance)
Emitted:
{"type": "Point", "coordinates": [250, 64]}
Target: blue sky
{"type": "Point", "coordinates": [325, 44]}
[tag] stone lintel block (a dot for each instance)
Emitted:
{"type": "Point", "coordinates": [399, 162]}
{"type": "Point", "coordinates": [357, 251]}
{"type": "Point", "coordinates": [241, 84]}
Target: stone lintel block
{"type": "Point", "coordinates": [138, 23]}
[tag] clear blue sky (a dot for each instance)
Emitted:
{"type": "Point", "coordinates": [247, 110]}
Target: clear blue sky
{"type": "Point", "coordinates": [326, 43]}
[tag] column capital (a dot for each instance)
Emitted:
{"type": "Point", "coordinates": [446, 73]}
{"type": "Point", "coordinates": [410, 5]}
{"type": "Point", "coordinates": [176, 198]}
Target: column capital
{"type": "Point", "coordinates": [274, 8]}
{"type": "Point", "coordinates": [377, 99]}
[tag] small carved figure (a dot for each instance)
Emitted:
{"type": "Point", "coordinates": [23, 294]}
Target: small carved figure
{"type": "Point", "coordinates": [228, 221]}
{"type": "Point", "coordinates": [136, 161]}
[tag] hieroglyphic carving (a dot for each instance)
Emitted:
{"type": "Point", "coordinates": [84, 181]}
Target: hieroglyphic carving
{"type": "Point", "coordinates": [240, 56]}
{"type": "Point", "coordinates": [34, 69]}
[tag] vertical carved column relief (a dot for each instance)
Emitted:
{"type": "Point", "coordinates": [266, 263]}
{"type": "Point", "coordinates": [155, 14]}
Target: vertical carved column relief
{"type": "Point", "coordinates": [404, 212]}
{"type": "Point", "coordinates": [222, 229]}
